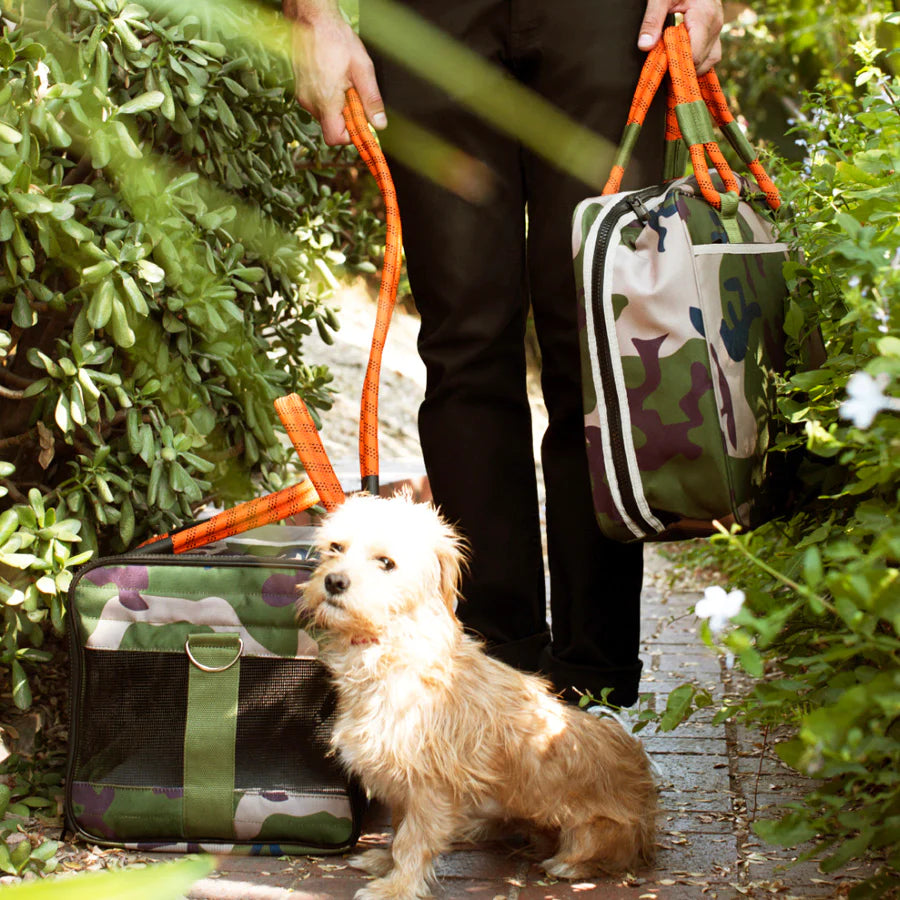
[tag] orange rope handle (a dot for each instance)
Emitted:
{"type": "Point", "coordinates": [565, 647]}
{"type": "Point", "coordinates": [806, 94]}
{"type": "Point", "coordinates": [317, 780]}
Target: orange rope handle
{"type": "Point", "coordinates": [244, 516]}
{"type": "Point", "coordinates": [718, 106]}
{"type": "Point", "coordinates": [686, 88]}
{"type": "Point", "coordinates": [370, 151]}
{"type": "Point", "coordinates": [304, 435]}
{"type": "Point", "coordinates": [652, 73]}
{"type": "Point", "coordinates": [673, 130]}
{"type": "Point", "coordinates": [252, 514]}
{"type": "Point", "coordinates": [673, 54]}
{"type": "Point", "coordinates": [714, 97]}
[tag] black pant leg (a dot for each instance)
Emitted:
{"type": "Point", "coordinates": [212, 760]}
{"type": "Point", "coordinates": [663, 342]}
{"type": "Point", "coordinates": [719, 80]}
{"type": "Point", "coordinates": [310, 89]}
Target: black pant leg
{"type": "Point", "coordinates": [469, 275]}
{"type": "Point", "coordinates": [466, 266]}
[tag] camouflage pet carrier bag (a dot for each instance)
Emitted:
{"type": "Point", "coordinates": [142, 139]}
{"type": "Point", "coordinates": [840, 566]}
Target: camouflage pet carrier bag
{"type": "Point", "coordinates": [201, 716]}
{"type": "Point", "coordinates": [682, 298]}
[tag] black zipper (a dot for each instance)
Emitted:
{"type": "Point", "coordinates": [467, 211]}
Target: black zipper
{"type": "Point", "coordinates": [604, 356]}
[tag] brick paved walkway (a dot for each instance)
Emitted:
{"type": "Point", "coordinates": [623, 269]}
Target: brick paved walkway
{"type": "Point", "coordinates": [712, 779]}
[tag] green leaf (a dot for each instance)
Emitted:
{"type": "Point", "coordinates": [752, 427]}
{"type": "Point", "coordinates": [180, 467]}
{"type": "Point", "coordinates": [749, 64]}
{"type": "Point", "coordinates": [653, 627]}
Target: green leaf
{"type": "Point", "coordinates": [21, 692]}
{"type": "Point", "coordinates": [9, 134]}
{"type": "Point", "coordinates": [61, 414]}
{"type": "Point", "coordinates": [100, 308]}
{"type": "Point", "coordinates": [143, 103]}
{"type": "Point", "coordinates": [151, 272]}
{"type": "Point", "coordinates": [161, 881]}
{"type": "Point", "coordinates": [121, 330]}
{"type": "Point", "coordinates": [678, 705]}
{"type": "Point", "coordinates": [6, 863]}
{"type": "Point", "coordinates": [98, 270]}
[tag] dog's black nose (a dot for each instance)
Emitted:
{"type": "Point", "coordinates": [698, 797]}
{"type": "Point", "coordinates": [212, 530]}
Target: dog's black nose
{"type": "Point", "coordinates": [336, 583]}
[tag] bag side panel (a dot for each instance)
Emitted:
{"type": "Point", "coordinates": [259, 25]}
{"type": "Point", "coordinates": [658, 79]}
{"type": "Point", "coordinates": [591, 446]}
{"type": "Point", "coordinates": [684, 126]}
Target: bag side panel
{"type": "Point", "coordinates": [667, 369]}
{"type": "Point", "coordinates": [608, 516]}
{"type": "Point", "coordinates": [129, 622]}
{"type": "Point", "coordinates": [745, 292]}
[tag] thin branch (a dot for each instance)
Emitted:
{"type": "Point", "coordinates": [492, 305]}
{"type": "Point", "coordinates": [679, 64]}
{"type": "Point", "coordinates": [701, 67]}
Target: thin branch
{"type": "Point", "coordinates": [78, 174]}
{"type": "Point", "coordinates": [10, 394]}
{"type": "Point", "coordinates": [14, 492]}
{"type": "Point", "coordinates": [15, 380]}
{"type": "Point", "coordinates": [17, 439]}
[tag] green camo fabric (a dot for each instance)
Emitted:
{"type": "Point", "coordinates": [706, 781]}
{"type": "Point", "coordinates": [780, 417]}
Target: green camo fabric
{"type": "Point", "coordinates": [693, 324]}
{"type": "Point", "coordinates": [136, 614]}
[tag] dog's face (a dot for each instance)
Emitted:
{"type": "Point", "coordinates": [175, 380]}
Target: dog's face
{"type": "Point", "coordinates": [381, 560]}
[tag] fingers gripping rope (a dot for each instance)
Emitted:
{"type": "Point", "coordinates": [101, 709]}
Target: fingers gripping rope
{"type": "Point", "coordinates": [370, 151]}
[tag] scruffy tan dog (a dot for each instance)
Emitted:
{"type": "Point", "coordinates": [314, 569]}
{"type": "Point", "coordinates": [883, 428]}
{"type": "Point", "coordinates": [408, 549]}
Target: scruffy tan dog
{"type": "Point", "coordinates": [448, 737]}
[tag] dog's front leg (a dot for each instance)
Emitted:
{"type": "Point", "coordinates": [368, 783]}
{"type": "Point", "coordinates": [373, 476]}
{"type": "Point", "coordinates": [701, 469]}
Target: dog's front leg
{"type": "Point", "coordinates": [427, 828]}
{"type": "Point", "coordinates": [378, 861]}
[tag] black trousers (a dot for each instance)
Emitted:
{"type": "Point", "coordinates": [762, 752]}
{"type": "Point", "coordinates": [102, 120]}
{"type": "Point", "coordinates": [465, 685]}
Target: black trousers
{"type": "Point", "coordinates": [474, 270]}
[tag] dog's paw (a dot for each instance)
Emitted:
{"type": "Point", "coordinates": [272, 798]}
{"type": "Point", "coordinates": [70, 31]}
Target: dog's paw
{"type": "Point", "coordinates": [558, 868]}
{"type": "Point", "coordinates": [376, 862]}
{"type": "Point", "coordinates": [393, 889]}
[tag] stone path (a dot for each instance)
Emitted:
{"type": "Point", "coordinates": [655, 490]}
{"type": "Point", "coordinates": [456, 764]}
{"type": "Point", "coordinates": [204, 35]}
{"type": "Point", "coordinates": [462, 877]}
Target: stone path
{"type": "Point", "coordinates": [714, 779]}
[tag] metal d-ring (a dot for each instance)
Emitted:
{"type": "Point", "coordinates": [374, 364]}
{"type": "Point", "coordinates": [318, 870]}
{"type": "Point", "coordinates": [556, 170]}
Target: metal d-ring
{"type": "Point", "coordinates": [204, 668]}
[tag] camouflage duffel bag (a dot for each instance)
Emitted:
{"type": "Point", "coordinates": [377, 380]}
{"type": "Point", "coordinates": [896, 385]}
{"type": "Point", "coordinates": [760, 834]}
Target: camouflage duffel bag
{"type": "Point", "coordinates": [682, 302]}
{"type": "Point", "coordinates": [200, 713]}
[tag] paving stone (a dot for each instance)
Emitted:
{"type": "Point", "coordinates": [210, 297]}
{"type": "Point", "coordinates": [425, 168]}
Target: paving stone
{"type": "Point", "coordinates": [663, 743]}
{"type": "Point", "coordinates": [713, 854]}
{"type": "Point", "coordinates": [494, 862]}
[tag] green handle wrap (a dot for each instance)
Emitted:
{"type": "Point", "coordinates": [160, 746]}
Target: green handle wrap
{"type": "Point", "coordinates": [695, 123]}
{"type": "Point", "coordinates": [209, 735]}
{"type": "Point", "coordinates": [739, 142]}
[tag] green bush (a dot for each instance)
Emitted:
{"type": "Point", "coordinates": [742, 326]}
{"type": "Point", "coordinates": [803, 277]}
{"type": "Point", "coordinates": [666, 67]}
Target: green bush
{"type": "Point", "coordinates": [169, 223]}
{"type": "Point", "coordinates": [774, 52]}
{"type": "Point", "coordinates": [820, 629]}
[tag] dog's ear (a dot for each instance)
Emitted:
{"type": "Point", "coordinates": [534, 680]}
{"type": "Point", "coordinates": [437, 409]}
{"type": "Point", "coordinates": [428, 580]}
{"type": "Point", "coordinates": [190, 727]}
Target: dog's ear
{"type": "Point", "coordinates": [452, 558]}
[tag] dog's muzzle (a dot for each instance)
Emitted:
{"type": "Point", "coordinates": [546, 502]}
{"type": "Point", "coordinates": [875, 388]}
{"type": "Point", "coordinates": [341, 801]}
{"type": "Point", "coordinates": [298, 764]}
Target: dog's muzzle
{"type": "Point", "coordinates": [336, 583]}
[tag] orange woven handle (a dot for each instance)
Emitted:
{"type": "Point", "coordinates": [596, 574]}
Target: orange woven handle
{"type": "Point", "coordinates": [687, 90]}
{"type": "Point", "coordinates": [673, 54]}
{"type": "Point", "coordinates": [244, 516]}
{"type": "Point", "coordinates": [712, 93]}
{"type": "Point", "coordinates": [652, 74]}
{"type": "Point", "coordinates": [240, 518]}
{"type": "Point", "coordinates": [304, 435]}
{"type": "Point", "coordinates": [370, 151]}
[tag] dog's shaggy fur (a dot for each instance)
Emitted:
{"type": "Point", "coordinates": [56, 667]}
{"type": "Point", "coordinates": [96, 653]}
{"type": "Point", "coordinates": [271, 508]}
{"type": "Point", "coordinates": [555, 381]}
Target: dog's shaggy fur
{"type": "Point", "coordinates": [448, 737]}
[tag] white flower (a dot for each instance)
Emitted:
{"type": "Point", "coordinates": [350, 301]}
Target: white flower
{"type": "Point", "coordinates": [43, 76]}
{"type": "Point", "coordinates": [719, 606]}
{"type": "Point", "coordinates": [866, 399]}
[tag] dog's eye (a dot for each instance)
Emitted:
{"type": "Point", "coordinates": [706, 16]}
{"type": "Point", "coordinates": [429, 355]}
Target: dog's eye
{"type": "Point", "coordinates": [386, 563]}
{"type": "Point", "coordinates": [335, 547]}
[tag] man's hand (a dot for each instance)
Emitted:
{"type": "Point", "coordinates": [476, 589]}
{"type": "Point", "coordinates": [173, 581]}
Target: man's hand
{"type": "Point", "coordinates": [703, 19]}
{"type": "Point", "coordinates": [329, 58]}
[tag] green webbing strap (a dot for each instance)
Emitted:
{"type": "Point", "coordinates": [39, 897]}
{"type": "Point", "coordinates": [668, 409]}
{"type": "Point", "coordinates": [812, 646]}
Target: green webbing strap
{"type": "Point", "coordinates": [728, 213]}
{"type": "Point", "coordinates": [739, 142]}
{"type": "Point", "coordinates": [695, 123]}
{"type": "Point", "coordinates": [209, 735]}
{"type": "Point", "coordinates": [626, 144]}
{"type": "Point", "coordinates": [675, 161]}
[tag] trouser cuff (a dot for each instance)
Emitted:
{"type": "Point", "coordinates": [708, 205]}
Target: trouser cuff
{"type": "Point", "coordinates": [524, 654]}
{"type": "Point", "coordinates": [571, 681]}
